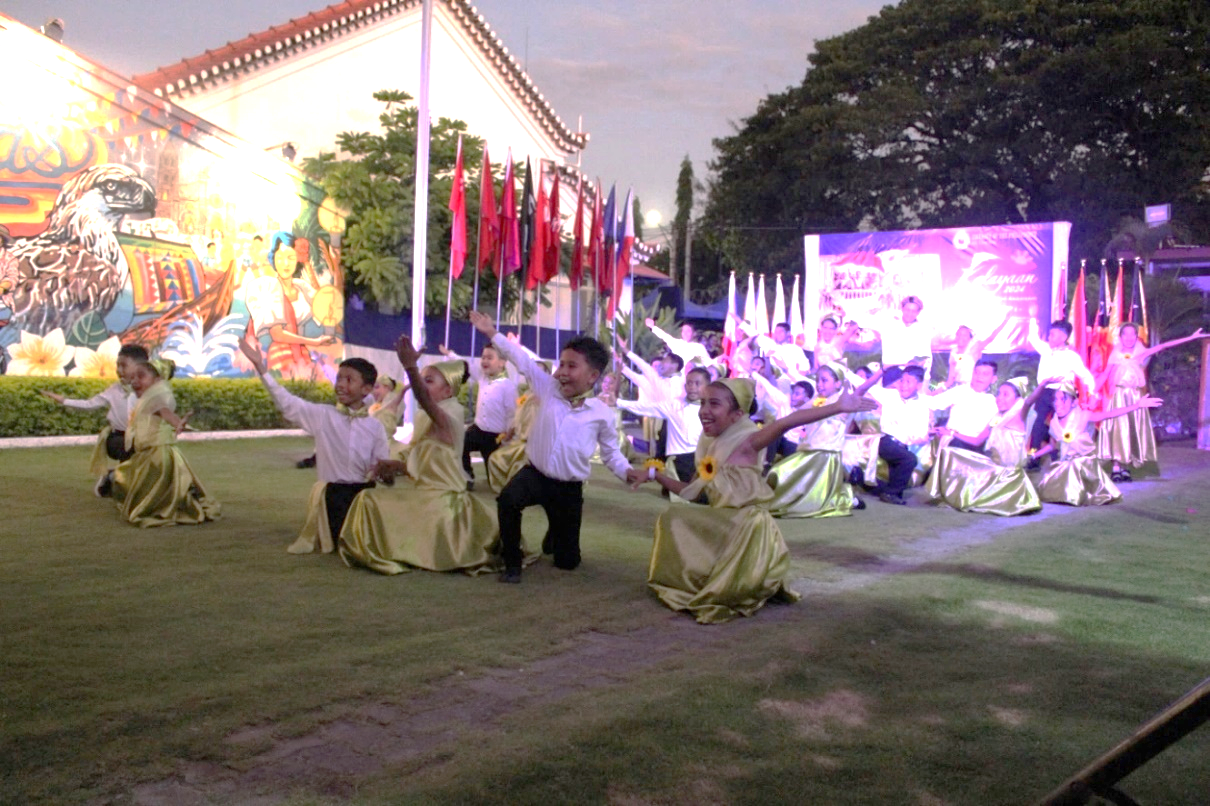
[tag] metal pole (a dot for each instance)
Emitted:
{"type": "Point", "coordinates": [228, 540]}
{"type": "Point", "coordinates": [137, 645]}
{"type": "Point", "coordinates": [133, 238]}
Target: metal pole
{"type": "Point", "coordinates": [688, 256]}
{"type": "Point", "coordinates": [420, 226]}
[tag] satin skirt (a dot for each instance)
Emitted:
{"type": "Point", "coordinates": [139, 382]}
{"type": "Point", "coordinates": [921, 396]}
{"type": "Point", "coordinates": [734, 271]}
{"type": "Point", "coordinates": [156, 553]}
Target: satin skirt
{"type": "Point", "coordinates": [1128, 440]}
{"type": "Point", "coordinates": [1080, 482]}
{"type": "Point", "coordinates": [860, 451]}
{"type": "Point", "coordinates": [98, 463]}
{"type": "Point", "coordinates": [316, 536]}
{"type": "Point", "coordinates": [810, 484]}
{"type": "Point", "coordinates": [971, 482]}
{"type": "Point", "coordinates": [1007, 448]}
{"type": "Point", "coordinates": [504, 463]}
{"type": "Point", "coordinates": [718, 563]}
{"type": "Point", "coordinates": [157, 487]}
{"type": "Point", "coordinates": [393, 530]}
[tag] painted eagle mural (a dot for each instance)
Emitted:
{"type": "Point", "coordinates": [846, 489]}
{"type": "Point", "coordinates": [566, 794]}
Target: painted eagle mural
{"type": "Point", "coordinates": [76, 264]}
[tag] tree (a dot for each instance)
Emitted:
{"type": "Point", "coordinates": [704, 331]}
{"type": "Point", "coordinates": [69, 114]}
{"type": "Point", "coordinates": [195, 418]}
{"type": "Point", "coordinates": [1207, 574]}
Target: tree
{"type": "Point", "coordinates": [976, 112]}
{"type": "Point", "coordinates": [376, 182]}
{"type": "Point", "coordinates": [684, 213]}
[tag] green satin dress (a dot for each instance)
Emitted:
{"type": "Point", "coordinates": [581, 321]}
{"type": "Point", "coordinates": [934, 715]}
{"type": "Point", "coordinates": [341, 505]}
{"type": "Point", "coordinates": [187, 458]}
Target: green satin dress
{"type": "Point", "coordinates": [427, 520]}
{"type": "Point", "coordinates": [507, 460]}
{"type": "Point", "coordinates": [156, 486]}
{"type": "Point", "coordinates": [1078, 477]}
{"type": "Point", "coordinates": [1128, 440]}
{"type": "Point", "coordinates": [992, 484]}
{"type": "Point", "coordinates": [812, 481]}
{"type": "Point", "coordinates": [726, 559]}
{"type": "Point", "coordinates": [1007, 446]}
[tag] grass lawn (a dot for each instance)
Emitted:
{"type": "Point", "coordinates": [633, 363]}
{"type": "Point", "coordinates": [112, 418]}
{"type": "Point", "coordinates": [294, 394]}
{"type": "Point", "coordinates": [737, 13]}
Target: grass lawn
{"type": "Point", "coordinates": [937, 658]}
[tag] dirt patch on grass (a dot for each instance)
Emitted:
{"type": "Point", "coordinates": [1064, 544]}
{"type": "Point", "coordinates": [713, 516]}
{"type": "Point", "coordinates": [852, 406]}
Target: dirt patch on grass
{"type": "Point", "coordinates": [1038, 615]}
{"type": "Point", "coordinates": [818, 719]}
{"type": "Point", "coordinates": [1011, 717]}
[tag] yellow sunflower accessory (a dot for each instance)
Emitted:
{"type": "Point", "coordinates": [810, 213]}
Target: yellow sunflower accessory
{"type": "Point", "coordinates": [654, 464]}
{"type": "Point", "coordinates": [500, 438]}
{"type": "Point", "coordinates": [521, 400]}
{"type": "Point", "coordinates": [707, 468]}
{"type": "Point", "coordinates": [819, 402]}
{"type": "Point", "coordinates": [1068, 436]}
{"type": "Point", "coordinates": [1128, 356]}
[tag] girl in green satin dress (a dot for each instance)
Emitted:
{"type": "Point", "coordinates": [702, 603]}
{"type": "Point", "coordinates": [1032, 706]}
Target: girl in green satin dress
{"type": "Point", "coordinates": [728, 558]}
{"type": "Point", "coordinates": [812, 482]}
{"type": "Point", "coordinates": [430, 520]}
{"type": "Point", "coordinates": [1078, 477]}
{"type": "Point", "coordinates": [156, 486]}
{"type": "Point", "coordinates": [1129, 441]}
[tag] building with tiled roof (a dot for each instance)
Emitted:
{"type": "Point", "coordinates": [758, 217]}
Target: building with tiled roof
{"type": "Point", "coordinates": [313, 77]}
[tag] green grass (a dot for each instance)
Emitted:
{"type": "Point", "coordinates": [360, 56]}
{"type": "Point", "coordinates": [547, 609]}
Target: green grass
{"type": "Point", "coordinates": [937, 657]}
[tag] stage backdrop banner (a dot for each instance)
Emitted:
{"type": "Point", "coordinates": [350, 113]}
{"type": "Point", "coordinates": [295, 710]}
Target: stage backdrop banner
{"type": "Point", "coordinates": [976, 276]}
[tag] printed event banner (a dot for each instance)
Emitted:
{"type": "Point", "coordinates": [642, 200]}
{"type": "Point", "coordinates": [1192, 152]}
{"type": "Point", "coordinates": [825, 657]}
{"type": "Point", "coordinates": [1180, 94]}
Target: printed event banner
{"type": "Point", "coordinates": [973, 276]}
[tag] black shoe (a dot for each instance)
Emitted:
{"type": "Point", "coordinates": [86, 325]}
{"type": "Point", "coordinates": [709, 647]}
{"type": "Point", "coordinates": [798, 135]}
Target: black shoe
{"type": "Point", "coordinates": [305, 463]}
{"type": "Point", "coordinates": [858, 503]}
{"type": "Point", "coordinates": [1033, 464]}
{"type": "Point", "coordinates": [511, 576]}
{"type": "Point", "coordinates": [104, 485]}
{"type": "Point", "coordinates": [892, 498]}
{"type": "Point", "coordinates": [1126, 475]}
{"type": "Point", "coordinates": [470, 486]}
{"type": "Point", "coordinates": [856, 478]}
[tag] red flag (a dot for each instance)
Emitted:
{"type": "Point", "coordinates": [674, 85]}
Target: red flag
{"type": "Point", "coordinates": [1077, 317]}
{"type": "Point", "coordinates": [510, 235]}
{"type": "Point", "coordinates": [609, 254]}
{"type": "Point", "coordinates": [577, 246]}
{"type": "Point", "coordinates": [540, 233]}
{"type": "Point", "coordinates": [596, 238]}
{"type": "Point", "coordinates": [554, 240]}
{"type": "Point", "coordinates": [1117, 304]}
{"type": "Point", "coordinates": [1101, 344]}
{"type": "Point", "coordinates": [489, 218]}
{"type": "Point", "coordinates": [458, 208]}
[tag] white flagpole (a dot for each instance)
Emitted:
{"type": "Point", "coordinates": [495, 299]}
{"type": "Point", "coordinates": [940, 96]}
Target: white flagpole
{"type": "Point", "coordinates": [420, 228]}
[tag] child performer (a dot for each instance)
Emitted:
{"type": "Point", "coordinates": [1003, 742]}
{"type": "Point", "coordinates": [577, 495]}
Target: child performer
{"type": "Point", "coordinates": [119, 398]}
{"type": "Point", "coordinates": [567, 429]}
{"type": "Point", "coordinates": [156, 486]}
{"type": "Point", "coordinates": [905, 437]}
{"type": "Point", "coordinates": [1129, 441]}
{"type": "Point", "coordinates": [681, 415]}
{"type": "Point", "coordinates": [727, 559]}
{"type": "Point", "coordinates": [495, 406]}
{"type": "Point", "coordinates": [812, 481]}
{"type": "Point", "coordinates": [433, 522]}
{"type": "Point", "coordinates": [348, 445]}
{"type": "Point", "coordinates": [1078, 478]}
{"type": "Point", "coordinates": [1055, 360]}
{"type": "Point", "coordinates": [1006, 441]}
{"type": "Point", "coordinates": [966, 352]}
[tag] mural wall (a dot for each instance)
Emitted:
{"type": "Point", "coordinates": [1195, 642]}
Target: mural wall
{"type": "Point", "coordinates": [126, 219]}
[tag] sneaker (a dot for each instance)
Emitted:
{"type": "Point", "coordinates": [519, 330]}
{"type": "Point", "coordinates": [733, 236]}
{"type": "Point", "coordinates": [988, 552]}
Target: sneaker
{"type": "Point", "coordinates": [305, 463]}
{"type": "Point", "coordinates": [1126, 475]}
{"type": "Point", "coordinates": [511, 576]}
{"type": "Point", "coordinates": [104, 486]}
{"type": "Point", "coordinates": [858, 504]}
{"type": "Point", "coordinates": [892, 498]}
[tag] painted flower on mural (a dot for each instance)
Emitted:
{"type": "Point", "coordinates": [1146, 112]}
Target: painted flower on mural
{"type": "Point", "coordinates": [46, 355]}
{"type": "Point", "coordinates": [99, 363]}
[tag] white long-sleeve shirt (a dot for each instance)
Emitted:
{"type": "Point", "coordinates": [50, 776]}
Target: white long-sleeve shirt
{"type": "Point", "coordinates": [905, 420]}
{"type": "Point", "coordinates": [563, 438]}
{"type": "Point", "coordinates": [346, 447]}
{"type": "Point", "coordinates": [683, 418]}
{"type": "Point", "coordinates": [687, 351]}
{"type": "Point", "coordinates": [1063, 363]}
{"type": "Point", "coordinates": [119, 401]}
{"type": "Point", "coordinates": [970, 411]}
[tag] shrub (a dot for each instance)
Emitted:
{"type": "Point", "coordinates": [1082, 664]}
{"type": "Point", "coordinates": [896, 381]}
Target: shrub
{"type": "Point", "coordinates": [217, 405]}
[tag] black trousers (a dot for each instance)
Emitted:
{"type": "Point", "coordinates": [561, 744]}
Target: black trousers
{"type": "Point", "coordinates": [684, 464]}
{"type": "Point", "coordinates": [564, 505]}
{"type": "Point", "coordinates": [115, 446]}
{"type": "Point", "coordinates": [900, 463]}
{"type": "Point", "coordinates": [1042, 411]}
{"type": "Point", "coordinates": [338, 497]}
{"type": "Point", "coordinates": [477, 441]}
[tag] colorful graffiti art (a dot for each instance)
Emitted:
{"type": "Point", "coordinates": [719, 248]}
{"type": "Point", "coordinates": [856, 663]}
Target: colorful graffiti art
{"type": "Point", "coordinates": [124, 216]}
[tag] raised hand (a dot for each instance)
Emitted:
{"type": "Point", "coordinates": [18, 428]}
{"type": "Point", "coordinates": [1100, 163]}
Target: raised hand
{"type": "Point", "coordinates": [251, 350]}
{"type": "Point", "coordinates": [407, 352]}
{"type": "Point", "coordinates": [55, 396]}
{"type": "Point", "coordinates": [649, 322]}
{"type": "Point", "coordinates": [850, 402]}
{"type": "Point", "coordinates": [1151, 402]}
{"type": "Point", "coordinates": [484, 324]}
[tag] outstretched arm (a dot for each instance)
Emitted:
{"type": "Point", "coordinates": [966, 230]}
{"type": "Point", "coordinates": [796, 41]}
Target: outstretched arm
{"type": "Point", "coordinates": [981, 344]}
{"type": "Point", "coordinates": [1150, 351]}
{"type": "Point", "coordinates": [409, 356]}
{"type": "Point", "coordinates": [771, 433]}
{"type": "Point", "coordinates": [869, 384]}
{"type": "Point", "coordinates": [1142, 403]}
